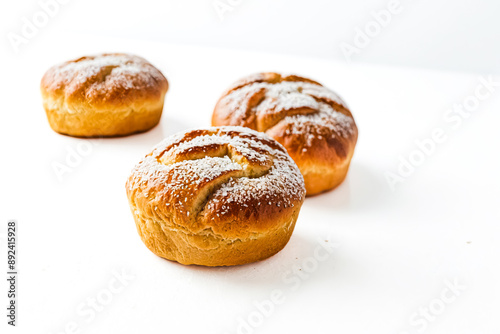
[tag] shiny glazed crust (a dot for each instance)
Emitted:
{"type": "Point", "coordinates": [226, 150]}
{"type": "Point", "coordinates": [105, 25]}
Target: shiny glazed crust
{"type": "Point", "coordinates": [103, 95]}
{"type": "Point", "coordinates": [216, 197]}
{"type": "Point", "coordinates": [309, 120]}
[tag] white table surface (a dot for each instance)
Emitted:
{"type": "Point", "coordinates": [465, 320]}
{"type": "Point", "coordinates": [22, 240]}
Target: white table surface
{"type": "Point", "coordinates": [393, 252]}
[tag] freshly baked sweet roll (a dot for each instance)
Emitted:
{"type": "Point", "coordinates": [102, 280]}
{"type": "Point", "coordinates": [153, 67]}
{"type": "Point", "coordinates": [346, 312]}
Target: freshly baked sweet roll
{"type": "Point", "coordinates": [103, 95]}
{"type": "Point", "coordinates": [309, 120]}
{"type": "Point", "coordinates": [216, 197]}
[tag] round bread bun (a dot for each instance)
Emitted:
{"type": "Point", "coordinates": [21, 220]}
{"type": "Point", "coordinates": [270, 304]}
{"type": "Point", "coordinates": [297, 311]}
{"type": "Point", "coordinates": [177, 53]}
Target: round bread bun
{"type": "Point", "coordinates": [104, 95]}
{"type": "Point", "coordinates": [216, 197]}
{"type": "Point", "coordinates": [309, 120]}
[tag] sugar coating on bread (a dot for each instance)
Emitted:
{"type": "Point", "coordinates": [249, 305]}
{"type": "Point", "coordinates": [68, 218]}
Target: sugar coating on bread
{"type": "Point", "coordinates": [326, 122]}
{"type": "Point", "coordinates": [311, 121]}
{"type": "Point", "coordinates": [103, 95]}
{"type": "Point", "coordinates": [217, 196]}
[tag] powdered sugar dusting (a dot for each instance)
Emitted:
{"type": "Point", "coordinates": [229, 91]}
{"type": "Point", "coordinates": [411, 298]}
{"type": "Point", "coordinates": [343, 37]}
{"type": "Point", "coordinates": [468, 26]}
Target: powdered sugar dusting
{"type": "Point", "coordinates": [205, 142]}
{"type": "Point", "coordinates": [104, 72]}
{"type": "Point", "coordinates": [279, 97]}
{"type": "Point", "coordinates": [218, 185]}
{"type": "Point", "coordinates": [280, 188]}
{"type": "Point", "coordinates": [305, 110]}
{"type": "Point", "coordinates": [326, 123]}
{"type": "Point", "coordinates": [285, 96]}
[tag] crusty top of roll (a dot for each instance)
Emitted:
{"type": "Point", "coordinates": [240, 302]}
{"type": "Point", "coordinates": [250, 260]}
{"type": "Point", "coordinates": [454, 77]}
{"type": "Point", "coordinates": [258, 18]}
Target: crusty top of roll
{"type": "Point", "coordinates": [105, 80]}
{"type": "Point", "coordinates": [310, 120]}
{"type": "Point", "coordinates": [230, 181]}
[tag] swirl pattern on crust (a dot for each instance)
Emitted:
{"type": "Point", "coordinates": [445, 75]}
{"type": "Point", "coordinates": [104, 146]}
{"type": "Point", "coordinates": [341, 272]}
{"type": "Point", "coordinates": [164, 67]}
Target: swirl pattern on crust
{"type": "Point", "coordinates": [309, 120]}
{"type": "Point", "coordinates": [216, 197]}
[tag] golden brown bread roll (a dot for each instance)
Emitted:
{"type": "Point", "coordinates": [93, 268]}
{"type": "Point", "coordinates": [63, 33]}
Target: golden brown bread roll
{"type": "Point", "coordinates": [216, 197]}
{"type": "Point", "coordinates": [309, 120]}
{"type": "Point", "coordinates": [103, 95]}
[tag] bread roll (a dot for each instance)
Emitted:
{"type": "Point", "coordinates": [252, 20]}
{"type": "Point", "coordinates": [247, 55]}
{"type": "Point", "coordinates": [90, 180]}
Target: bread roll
{"type": "Point", "coordinates": [313, 123]}
{"type": "Point", "coordinates": [103, 96]}
{"type": "Point", "coordinates": [216, 197]}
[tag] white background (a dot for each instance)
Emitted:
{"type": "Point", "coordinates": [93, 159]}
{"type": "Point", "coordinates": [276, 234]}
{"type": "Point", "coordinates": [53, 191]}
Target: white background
{"type": "Point", "coordinates": [396, 249]}
{"type": "Point", "coordinates": [442, 34]}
